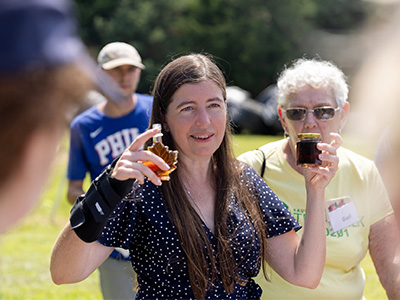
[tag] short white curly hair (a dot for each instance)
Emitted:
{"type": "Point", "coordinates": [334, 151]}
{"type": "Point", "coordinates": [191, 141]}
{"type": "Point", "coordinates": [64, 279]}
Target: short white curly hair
{"type": "Point", "coordinates": [313, 72]}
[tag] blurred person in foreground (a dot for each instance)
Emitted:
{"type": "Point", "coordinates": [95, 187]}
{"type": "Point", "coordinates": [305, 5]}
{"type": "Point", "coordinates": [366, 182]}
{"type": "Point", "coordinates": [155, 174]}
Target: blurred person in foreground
{"type": "Point", "coordinates": [98, 136]}
{"type": "Point", "coordinates": [202, 233]}
{"type": "Point", "coordinates": [41, 82]}
{"type": "Point", "coordinates": [359, 217]}
{"type": "Point", "coordinates": [387, 160]}
{"type": "Point", "coordinates": [376, 91]}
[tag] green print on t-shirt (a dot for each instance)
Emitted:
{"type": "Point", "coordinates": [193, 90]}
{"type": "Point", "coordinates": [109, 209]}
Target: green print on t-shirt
{"type": "Point", "coordinates": [300, 215]}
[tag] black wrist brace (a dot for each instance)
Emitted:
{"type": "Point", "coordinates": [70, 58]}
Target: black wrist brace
{"type": "Point", "coordinates": [90, 212]}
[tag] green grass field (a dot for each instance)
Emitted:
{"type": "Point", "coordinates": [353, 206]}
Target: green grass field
{"type": "Point", "coordinates": [25, 250]}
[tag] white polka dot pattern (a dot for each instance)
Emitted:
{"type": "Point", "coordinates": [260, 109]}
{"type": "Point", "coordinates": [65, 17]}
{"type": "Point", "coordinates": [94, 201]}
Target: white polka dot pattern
{"type": "Point", "coordinates": [144, 227]}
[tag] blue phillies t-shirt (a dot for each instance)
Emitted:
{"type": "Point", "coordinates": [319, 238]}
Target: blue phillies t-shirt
{"type": "Point", "coordinates": [96, 139]}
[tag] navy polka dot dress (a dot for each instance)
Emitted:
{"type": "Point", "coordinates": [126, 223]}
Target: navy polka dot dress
{"type": "Point", "coordinates": [144, 227]}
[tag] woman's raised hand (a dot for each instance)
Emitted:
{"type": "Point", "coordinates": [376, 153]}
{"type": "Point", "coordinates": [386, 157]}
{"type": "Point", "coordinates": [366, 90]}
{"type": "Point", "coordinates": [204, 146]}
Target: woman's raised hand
{"type": "Point", "coordinates": [130, 166]}
{"type": "Point", "coordinates": [320, 176]}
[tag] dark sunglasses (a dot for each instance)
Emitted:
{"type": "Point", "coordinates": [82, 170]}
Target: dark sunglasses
{"type": "Point", "coordinates": [300, 113]}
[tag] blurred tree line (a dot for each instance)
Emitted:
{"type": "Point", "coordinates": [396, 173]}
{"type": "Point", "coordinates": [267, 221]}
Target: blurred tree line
{"type": "Point", "coordinates": [252, 40]}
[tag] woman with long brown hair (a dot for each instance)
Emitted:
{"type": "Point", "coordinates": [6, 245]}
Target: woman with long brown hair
{"type": "Point", "coordinates": [201, 234]}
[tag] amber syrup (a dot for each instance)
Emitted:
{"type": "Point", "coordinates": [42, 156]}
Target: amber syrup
{"type": "Point", "coordinates": [158, 148]}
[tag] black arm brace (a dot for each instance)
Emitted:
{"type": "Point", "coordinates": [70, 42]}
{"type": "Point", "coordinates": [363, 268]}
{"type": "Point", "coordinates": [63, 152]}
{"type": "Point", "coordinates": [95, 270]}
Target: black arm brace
{"type": "Point", "coordinates": [90, 212]}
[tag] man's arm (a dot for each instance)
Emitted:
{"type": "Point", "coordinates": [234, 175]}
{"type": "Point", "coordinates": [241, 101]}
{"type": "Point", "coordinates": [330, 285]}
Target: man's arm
{"type": "Point", "coordinates": [384, 249]}
{"type": "Point", "coordinates": [75, 189]}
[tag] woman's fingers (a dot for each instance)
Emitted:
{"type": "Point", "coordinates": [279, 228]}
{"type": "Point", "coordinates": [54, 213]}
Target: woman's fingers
{"type": "Point", "coordinates": [144, 155]}
{"type": "Point", "coordinates": [135, 170]}
{"type": "Point", "coordinates": [130, 165]}
{"type": "Point", "coordinates": [141, 139]}
{"type": "Point", "coordinates": [328, 151]}
{"type": "Point", "coordinates": [330, 162]}
{"type": "Point", "coordinates": [337, 140]}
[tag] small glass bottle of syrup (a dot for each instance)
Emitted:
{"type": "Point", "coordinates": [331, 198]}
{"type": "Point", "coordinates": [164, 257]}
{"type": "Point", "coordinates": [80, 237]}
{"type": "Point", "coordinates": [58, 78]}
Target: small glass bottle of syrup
{"type": "Point", "coordinates": [158, 148]}
{"type": "Point", "coordinates": [307, 152]}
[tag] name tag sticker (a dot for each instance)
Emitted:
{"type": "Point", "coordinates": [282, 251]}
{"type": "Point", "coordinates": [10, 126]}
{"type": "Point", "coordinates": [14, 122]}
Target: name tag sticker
{"type": "Point", "coordinates": [341, 213]}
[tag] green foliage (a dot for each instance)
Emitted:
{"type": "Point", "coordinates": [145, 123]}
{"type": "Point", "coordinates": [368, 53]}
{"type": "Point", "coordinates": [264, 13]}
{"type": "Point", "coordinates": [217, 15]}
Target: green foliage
{"type": "Point", "coordinates": [338, 15]}
{"type": "Point", "coordinates": [252, 39]}
{"type": "Point", "coordinates": [90, 11]}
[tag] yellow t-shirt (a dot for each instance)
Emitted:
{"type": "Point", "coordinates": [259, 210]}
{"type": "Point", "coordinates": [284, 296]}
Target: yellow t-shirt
{"type": "Point", "coordinates": [358, 178]}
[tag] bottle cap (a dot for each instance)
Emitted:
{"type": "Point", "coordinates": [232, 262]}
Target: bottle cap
{"type": "Point", "coordinates": [309, 135]}
{"type": "Point", "coordinates": [158, 126]}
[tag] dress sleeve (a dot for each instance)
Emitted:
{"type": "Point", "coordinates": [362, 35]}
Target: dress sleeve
{"type": "Point", "coordinates": [120, 228]}
{"type": "Point", "coordinates": [276, 216]}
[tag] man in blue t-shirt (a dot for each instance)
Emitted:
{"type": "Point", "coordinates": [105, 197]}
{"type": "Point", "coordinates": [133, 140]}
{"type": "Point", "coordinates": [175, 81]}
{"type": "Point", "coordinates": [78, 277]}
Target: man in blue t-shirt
{"type": "Point", "coordinates": [98, 136]}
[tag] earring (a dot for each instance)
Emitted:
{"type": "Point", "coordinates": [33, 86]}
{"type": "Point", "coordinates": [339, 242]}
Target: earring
{"type": "Point", "coordinates": [285, 135]}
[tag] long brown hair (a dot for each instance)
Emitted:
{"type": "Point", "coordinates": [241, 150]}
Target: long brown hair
{"type": "Point", "coordinates": [195, 68]}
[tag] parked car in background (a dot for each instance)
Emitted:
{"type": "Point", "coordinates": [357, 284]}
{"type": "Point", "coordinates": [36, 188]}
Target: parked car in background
{"type": "Point", "coordinates": [254, 116]}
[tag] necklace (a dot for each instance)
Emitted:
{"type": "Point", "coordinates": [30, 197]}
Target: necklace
{"type": "Point", "coordinates": [195, 203]}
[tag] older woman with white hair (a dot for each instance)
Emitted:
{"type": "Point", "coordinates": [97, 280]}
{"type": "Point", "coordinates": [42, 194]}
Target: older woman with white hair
{"type": "Point", "coordinates": [359, 218]}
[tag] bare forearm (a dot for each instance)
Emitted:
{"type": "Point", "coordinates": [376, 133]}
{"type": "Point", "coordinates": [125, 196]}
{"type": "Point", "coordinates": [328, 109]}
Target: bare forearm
{"type": "Point", "coordinates": [391, 280]}
{"type": "Point", "coordinates": [310, 255]}
{"type": "Point", "coordinates": [301, 261]}
{"type": "Point", "coordinates": [70, 258]}
{"type": "Point", "coordinates": [384, 249]}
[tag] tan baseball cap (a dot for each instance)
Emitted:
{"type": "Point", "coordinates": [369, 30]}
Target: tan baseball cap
{"type": "Point", "coordinates": [117, 54]}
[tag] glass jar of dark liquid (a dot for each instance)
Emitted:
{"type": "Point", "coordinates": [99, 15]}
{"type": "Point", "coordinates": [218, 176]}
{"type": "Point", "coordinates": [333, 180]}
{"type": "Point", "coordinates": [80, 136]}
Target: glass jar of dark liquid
{"type": "Point", "coordinates": [307, 152]}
